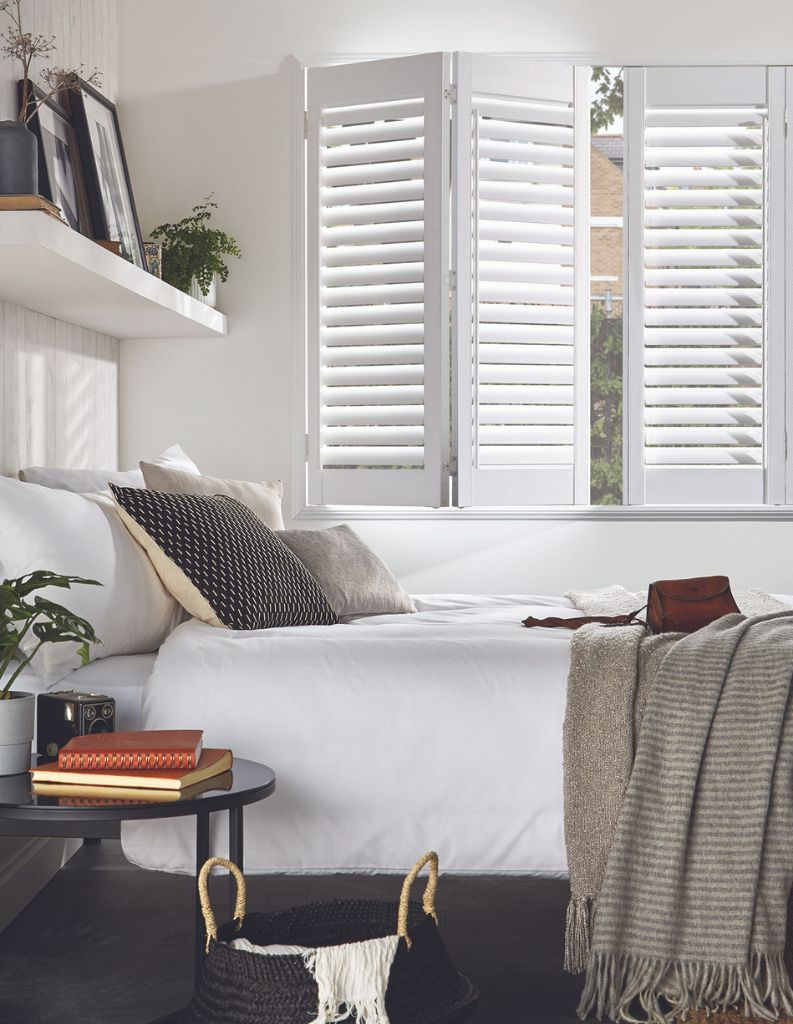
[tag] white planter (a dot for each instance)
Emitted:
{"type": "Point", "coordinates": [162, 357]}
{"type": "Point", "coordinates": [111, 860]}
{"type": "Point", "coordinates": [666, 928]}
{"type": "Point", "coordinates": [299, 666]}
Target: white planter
{"type": "Point", "coordinates": [16, 732]}
{"type": "Point", "coordinates": [210, 297]}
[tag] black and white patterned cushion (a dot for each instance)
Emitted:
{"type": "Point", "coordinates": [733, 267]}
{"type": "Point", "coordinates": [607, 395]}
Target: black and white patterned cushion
{"type": "Point", "coordinates": [249, 578]}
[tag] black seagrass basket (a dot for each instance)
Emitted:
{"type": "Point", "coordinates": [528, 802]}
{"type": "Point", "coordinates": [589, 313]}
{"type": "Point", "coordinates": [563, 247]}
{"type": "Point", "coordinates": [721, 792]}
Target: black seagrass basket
{"type": "Point", "coordinates": [239, 987]}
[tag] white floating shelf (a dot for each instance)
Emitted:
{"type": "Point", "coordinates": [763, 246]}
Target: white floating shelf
{"type": "Point", "coordinates": [48, 267]}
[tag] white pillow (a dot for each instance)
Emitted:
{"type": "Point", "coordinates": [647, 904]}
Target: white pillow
{"type": "Point", "coordinates": [82, 481]}
{"type": "Point", "coordinates": [81, 535]}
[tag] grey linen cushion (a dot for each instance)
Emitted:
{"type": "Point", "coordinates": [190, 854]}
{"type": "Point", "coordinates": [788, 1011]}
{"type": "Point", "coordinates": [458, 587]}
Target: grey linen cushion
{"type": "Point", "coordinates": [354, 580]}
{"type": "Point", "coordinates": [264, 498]}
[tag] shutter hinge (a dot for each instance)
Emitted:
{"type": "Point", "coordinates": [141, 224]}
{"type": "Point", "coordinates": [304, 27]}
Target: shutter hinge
{"type": "Point", "coordinates": [451, 281]}
{"type": "Point", "coordinates": [450, 93]}
{"type": "Point", "coordinates": [785, 123]}
{"type": "Point", "coordinates": [450, 466]}
{"type": "Point", "coordinates": [307, 447]}
{"type": "Point", "coordinates": [305, 124]}
{"type": "Point", "coordinates": [785, 443]}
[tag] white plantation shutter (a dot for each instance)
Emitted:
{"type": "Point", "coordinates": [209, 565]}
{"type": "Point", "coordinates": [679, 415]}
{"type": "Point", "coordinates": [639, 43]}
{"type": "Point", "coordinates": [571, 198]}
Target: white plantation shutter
{"type": "Point", "coordinates": [704, 318]}
{"type": "Point", "coordinates": [521, 154]}
{"type": "Point", "coordinates": [378, 319]}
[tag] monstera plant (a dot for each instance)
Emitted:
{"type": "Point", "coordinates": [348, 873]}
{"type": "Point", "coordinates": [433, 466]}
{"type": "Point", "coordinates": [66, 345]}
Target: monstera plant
{"type": "Point", "coordinates": [29, 621]}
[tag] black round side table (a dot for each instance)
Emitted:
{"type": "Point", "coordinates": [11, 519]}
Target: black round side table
{"type": "Point", "coordinates": [23, 813]}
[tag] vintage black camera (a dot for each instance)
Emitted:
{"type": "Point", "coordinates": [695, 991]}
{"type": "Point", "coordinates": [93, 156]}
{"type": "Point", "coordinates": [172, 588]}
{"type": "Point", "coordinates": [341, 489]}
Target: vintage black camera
{"type": "Point", "coordinates": [62, 716]}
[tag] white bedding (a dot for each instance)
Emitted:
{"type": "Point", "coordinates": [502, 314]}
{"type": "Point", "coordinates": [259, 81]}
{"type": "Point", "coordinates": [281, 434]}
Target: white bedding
{"type": "Point", "coordinates": [390, 735]}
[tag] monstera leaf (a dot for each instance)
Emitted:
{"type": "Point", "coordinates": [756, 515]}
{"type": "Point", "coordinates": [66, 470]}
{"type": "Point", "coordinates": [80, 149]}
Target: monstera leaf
{"type": "Point", "coordinates": [47, 621]}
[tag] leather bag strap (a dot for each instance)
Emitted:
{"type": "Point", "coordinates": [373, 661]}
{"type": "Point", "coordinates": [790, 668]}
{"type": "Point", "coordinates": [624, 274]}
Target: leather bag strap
{"type": "Point", "coordinates": [556, 622]}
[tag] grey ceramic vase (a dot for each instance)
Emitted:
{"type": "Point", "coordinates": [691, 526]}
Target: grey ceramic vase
{"type": "Point", "coordinates": [19, 160]}
{"type": "Point", "coordinates": [16, 732]}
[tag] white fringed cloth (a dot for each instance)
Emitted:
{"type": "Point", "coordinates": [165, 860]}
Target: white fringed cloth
{"type": "Point", "coordinates": [351, 980]}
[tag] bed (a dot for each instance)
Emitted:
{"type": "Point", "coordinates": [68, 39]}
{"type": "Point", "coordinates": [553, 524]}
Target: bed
{"type": "Point", "coordinates": [390, 735]}
{"type": "Point", "coordinates": [121, 677]}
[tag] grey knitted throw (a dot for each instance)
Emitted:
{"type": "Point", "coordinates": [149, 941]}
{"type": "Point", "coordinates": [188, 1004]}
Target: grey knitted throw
{"type": "Point", "coordinates": [692, 909]}
{"type": "Point", "coordinates": [611, 672]}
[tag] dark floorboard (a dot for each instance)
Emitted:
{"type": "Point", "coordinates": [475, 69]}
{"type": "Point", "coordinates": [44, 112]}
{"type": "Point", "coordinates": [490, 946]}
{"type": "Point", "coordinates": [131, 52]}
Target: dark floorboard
{"type": "Point", "coordinates": [108, 943]}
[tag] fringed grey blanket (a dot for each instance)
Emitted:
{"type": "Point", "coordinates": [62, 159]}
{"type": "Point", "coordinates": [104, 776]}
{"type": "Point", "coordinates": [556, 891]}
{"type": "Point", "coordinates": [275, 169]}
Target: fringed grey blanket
{"type": "Point", "coordinates": [692, 911]}
{"type": "Point", "coordinates": [611, 672]}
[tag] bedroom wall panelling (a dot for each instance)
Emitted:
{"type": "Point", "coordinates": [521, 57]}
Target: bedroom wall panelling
{"type": "Point", "coordinates": [59, 383]}
{"type": "Point", "coordinates": [231, 402]}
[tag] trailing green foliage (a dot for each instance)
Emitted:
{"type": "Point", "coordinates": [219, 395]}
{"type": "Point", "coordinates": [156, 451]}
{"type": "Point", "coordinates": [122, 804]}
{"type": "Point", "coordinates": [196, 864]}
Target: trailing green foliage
{"type": "Point", "coordinates": [49, 623]}
{"type": "Point", "coordinates": [608, 101]}
{"type": "Point", "coordinates": [192, 249]}
{"type": "Point", "coordinates": [606, 408]}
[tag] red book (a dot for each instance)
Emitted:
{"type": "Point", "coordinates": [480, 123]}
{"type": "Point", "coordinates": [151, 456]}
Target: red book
{"type": "Point", "coordinates": [149, 750]}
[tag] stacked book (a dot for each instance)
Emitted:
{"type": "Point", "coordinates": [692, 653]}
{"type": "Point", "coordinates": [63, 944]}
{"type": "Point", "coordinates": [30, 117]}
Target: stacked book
{"type": "Point", "coordinates": [130, 767]}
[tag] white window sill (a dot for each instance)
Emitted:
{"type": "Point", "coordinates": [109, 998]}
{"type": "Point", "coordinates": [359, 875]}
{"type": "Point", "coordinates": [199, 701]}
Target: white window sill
{"type": "Point", "coordinates": [581, 513]}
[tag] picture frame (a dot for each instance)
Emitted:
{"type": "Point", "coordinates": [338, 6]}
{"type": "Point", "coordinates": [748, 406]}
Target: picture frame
{"type": "Point", "coordinates": [110, 197]}
{"type": "Point", "coordinates": [61, 178]}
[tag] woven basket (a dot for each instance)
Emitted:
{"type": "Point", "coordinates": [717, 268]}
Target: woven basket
{"type": "Point", "coordinates": [238, 987]}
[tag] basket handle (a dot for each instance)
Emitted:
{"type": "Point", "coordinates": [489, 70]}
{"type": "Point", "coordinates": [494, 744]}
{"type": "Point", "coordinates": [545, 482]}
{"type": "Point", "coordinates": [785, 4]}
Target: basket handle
{"type": "Point", "coordinates": [203, 895]}
{"type": "Point", "coordinates": [428, 900]}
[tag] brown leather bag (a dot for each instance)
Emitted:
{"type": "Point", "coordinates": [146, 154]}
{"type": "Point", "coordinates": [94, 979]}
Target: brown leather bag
{"type": "Point", "coordinates": [673, 606]}
{"type": "Point", "coordinates": [684, 606]}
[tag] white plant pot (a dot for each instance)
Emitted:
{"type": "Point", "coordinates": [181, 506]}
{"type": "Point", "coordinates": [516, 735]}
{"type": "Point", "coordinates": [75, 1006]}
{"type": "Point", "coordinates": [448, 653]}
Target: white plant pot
{"type": "Point", "coordinates": [210, 297]}
{"type": "Point", "coordinates": [16, 732]}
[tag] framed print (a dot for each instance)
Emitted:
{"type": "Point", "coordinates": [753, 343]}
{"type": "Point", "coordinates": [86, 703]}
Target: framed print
{"type": "Point", "coordinates": [110, 198]}
{"type": "Point", "coordinates": [60, 168]}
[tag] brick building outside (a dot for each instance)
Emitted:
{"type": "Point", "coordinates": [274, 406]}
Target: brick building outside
{"type": "Point", "coordinates": [606, 239]}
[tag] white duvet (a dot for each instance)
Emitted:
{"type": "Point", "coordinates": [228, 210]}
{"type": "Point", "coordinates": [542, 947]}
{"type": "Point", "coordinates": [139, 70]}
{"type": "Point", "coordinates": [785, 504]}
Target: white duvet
{"type": "Point", "coordinates": [389, 736]}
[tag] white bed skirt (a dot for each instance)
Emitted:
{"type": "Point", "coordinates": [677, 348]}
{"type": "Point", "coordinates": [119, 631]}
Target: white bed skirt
{"type": "Point", "coordinates": [389, 736]}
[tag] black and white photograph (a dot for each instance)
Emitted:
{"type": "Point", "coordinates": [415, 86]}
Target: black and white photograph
{"type": "Point", "coordinates": [60, 167]}
{"type": "Point", "coordinates": [107, 178]}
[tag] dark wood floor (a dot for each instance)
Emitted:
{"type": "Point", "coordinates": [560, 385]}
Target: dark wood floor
{"type": "Point", "coordinates": [107, 943]}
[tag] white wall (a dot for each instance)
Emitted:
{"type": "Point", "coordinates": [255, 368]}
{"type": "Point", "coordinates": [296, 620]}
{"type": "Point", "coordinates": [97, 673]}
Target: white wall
{"type": "Point", "coordinates": [205, 105]}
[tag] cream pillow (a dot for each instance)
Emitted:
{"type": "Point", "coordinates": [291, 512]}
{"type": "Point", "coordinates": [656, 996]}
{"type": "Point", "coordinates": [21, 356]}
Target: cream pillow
{"type": "Point", "coordinates": [263, 498]}
{"type": "Point", "coordinates": [354, 579]}
{"type": "Point", "coordinates": [81, 535]}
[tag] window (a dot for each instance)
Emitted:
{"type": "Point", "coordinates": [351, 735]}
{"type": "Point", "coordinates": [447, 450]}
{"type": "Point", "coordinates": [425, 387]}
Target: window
{"type": "Point", "coordinates": [474, 336]}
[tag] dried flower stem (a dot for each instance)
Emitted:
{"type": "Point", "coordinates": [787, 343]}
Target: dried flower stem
{"type": "Point", "coordinates": [26, 47]}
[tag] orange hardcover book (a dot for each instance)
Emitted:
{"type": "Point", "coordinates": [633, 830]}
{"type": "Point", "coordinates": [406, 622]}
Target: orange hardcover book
{"type": "Point", "coordinates": [148, 750]}
{"type": "Point", "coordinates": [211, 762]}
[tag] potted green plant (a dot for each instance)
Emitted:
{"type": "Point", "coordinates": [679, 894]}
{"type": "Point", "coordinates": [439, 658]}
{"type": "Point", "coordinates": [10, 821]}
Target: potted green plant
{"type": "Point", "coordinates": [192, 252]}
{"type": "Point", "coordinates": [18, 146]}
{"type": "Point", "coordinates": [27, 618]}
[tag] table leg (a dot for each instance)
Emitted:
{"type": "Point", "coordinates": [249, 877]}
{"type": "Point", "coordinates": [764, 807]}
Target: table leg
{"type": "Point", "coordinates": [235, 852]}
{"type": "Point", "coordinates": [201, 855]}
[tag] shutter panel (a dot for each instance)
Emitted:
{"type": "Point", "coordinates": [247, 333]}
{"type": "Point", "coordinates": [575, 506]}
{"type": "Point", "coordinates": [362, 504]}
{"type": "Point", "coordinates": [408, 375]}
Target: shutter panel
{"type": "Point", "coordinates": [377, 223]}
{"type": "Point", "coordinates": [521, 145]}
{"type": "Point", "coordinates": [700, 219]}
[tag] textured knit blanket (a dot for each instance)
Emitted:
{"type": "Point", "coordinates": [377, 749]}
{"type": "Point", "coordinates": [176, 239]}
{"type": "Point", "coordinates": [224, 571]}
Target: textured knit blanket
{"type": "Point", "coordinates": [611, 671]}
{"type": "Point", "coordinates": [692, 910]}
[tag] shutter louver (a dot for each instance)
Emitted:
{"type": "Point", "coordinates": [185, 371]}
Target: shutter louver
{"type": "Point", "coordinates": [705, 307]}
{"type": "Point", "coordinates": [519, 263]}
{"type": "Point", "coordinates": [378, 328]}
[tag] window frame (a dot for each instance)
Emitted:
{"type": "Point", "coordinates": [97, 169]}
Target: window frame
{"type": "Point", "coordinates": [779, 470]}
